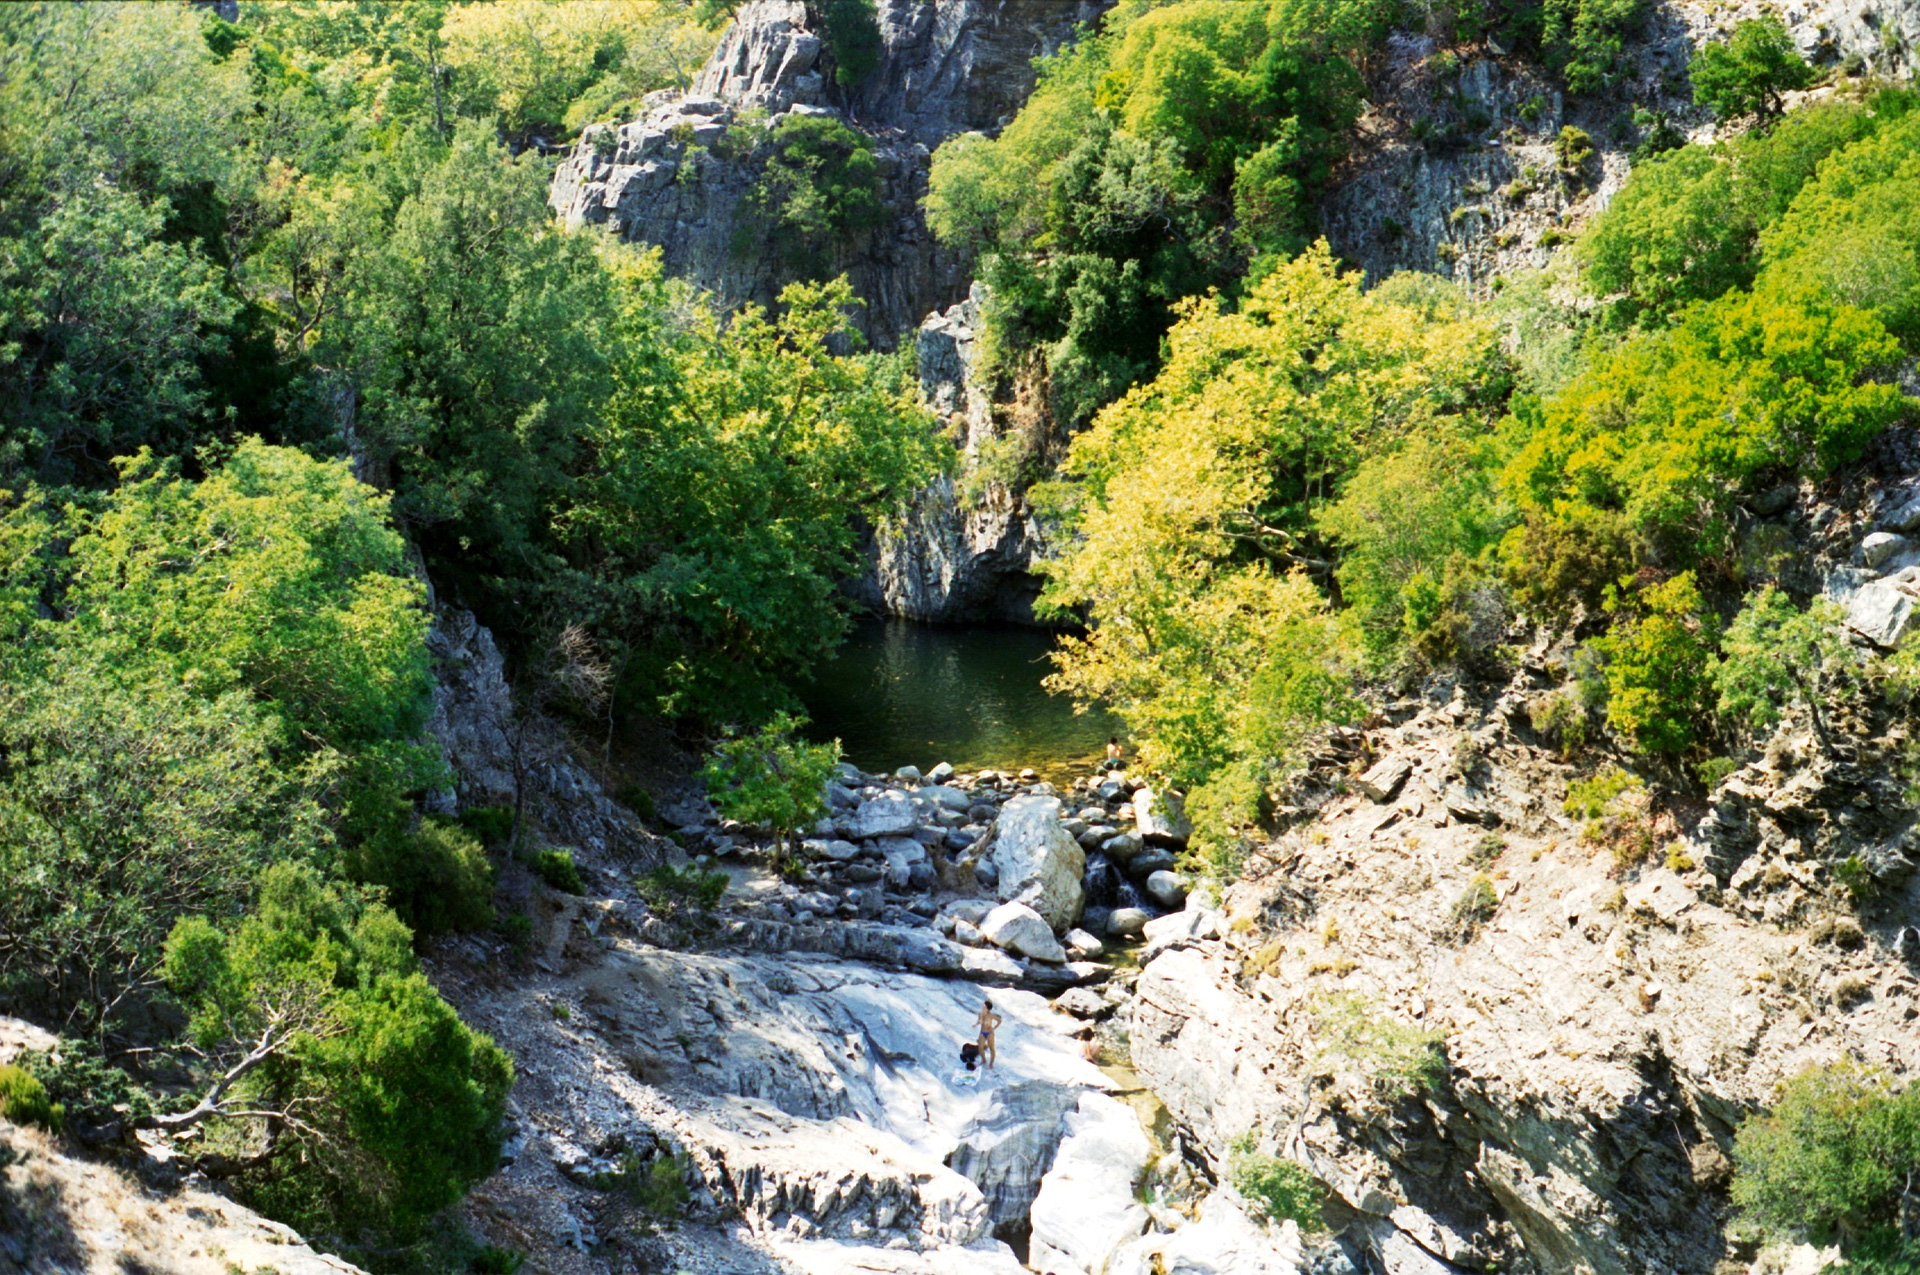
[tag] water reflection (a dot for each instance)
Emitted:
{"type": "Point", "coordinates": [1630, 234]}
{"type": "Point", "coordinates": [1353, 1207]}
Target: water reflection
{"type": "Point", "coordinates": [902, 694]}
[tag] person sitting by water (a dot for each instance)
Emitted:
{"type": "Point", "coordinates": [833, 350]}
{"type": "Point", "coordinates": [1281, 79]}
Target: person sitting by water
{"type": "Point", "coordinates": [988, 1022]}
{"type": "Point", "coordinates": [1113, 761]}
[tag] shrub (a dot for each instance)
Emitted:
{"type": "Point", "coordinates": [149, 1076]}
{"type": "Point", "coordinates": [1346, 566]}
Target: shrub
{"type": "Point", "coordinates": [1572, 149]}
{"type": "Point", "coordinates": [1279, 1190]}
{"type": "Point", "coordinates": [638, 800]}
{"type": "Point", "coordinates": [681, 893]}
{"type": "Point", "coordinates": [23, 1100]}
{"type": "Point", "coordinates": [517, 927]}
{"type": "Point", "coordinates": [821, 185]}
{"type": "Point", "coordinates": [491, 824]}
{"type": "Point", "coordinates": [437, 877]}
{"type": "Point", "coordinates": [1397, 1060]}
{"type": "Point", "coordinates": [313, 1007]}
{"type": "Point", "coordinates": [1832, 1159]}
{"type": "Point", "coordinates": [1474, 908]}
{"type": "Point", "coordinates": [771, 777]}
{"type": "Point", "coordinates": [556, 868]}
{"type": "Point", "coordinates": [1776, 656]}
{"type": "Point", "coordinates": [79, 1079]}
{"type": "Point", "coordinates": [1659, 666]}
{"type": "Point", "coordinates": [852, 34]}
{"type": "Point", "coordinates": [1746, 73]}
{"type": "Point", "coordinates": [1560, 718]}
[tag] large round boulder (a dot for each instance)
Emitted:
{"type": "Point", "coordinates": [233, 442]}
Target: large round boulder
{"type": "Point", "coordinates": [1019, 929]}
{"type": "Point", "coordinates": [1036, 862]}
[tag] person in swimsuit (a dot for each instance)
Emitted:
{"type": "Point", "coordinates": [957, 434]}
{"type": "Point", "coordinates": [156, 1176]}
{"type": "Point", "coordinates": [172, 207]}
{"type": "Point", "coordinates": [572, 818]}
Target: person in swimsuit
{"type": "Point", "coordinates": [987, 1022]}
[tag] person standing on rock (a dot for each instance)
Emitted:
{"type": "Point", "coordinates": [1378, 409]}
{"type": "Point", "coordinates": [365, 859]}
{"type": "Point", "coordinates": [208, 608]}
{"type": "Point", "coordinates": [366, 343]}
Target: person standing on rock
{"type": "Point", "coordinates": [987, 1021]}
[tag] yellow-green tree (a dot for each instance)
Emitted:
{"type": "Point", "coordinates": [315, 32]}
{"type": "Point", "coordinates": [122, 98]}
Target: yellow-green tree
{"type": "Point", "coordinates": [1191, 507]}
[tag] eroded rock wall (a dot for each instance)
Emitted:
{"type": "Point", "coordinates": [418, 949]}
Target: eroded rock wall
{"type": "Point", "coordinates": [1454, 169]}
{"type": "Point", "coordinates": [678, 179]}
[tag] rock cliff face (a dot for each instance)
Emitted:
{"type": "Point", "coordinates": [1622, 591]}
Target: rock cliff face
{"type": "Point", "coordinates": [1455, 171]}
{"type": "Point", "coordinates": [964, 549]}
{"type": "Point", "coordinates": [680, 177]}
{"type": "Point", "coordinates": [1614, 995]}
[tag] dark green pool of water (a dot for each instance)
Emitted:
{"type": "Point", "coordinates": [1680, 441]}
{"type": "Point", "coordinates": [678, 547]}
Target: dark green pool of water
{"type": "Point", "coordinates": [903, 694]}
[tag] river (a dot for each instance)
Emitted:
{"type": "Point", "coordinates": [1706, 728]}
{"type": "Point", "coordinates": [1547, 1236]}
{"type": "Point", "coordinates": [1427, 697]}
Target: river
{"type": "Point", "coordinates": [899, 694]}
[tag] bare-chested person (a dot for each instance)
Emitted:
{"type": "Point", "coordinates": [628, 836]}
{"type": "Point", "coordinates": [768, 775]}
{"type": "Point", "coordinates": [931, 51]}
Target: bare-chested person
{"type": "Point", "coordinates": [987, 1022]}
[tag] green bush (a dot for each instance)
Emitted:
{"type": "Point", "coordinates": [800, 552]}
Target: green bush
{"type": "Point", "coordinates": [821, 185]}
{"type": "Point", "coordinates": [1474, 908]}
{"type": "Point", "coordinates": [1776, 656]}
{"type": "Point", "coordinates": [79, 1079]}
{"type": "Point", "coordinates": [1659, 666]}
{"type": "Point", "coordinates": [517, 927]}
{"type": "Point", "coordinates": [23, 1100]}
{"type": "Point", "coordinates": [852, 35]}
{"type": "Point", "coordinates": [1560, 718]}
{"type": "Point", "coordinates": [436, 876]}
{"type": "Point", "coordinates": [556, 868]}
{"type": "Point", "coordinates": [1398, 1060]}
{"type": "Point", "coordinates": [772, 777]}
{"type": "Point", "coordinates": [1831, 1160]}
{"type": "Point", "coordinates": [1279, 1190]}
{"type": "Point", "coordinates": [491, 824]}
{"type": "Point", "coordinates": [638, 800]}
{"type": "Point", "coordinates": [680, 893]}
{"type": "Point", "coordinates": [1852, 232]}
{"type": "Point", "coordinates": [1646, 453]}
{"type": "Point", "coordinates": [398, 1101]}
{"type": "Point", "coordinates": [1594, 796]}
{"type": "Point", "coordinates": [1572, 149]}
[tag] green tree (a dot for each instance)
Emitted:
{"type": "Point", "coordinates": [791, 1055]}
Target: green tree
{"type": "Point", "coordinates": [821, 186]}
{"type": "Point", "coordinates": [1665, 430]}
{"type": "Point", "coordinates": [126, 804]}
{"type": "Point", "coordinates": [1154, 160]}
{"type": "Point", "coordinates": [1746, 73]}
{"type": "Point", "coordinates": [1776, 656]}
{"type": "Point", "coordinates": [1192, 516]}
{"type": "Point", "coordinates": [1404, 516]}
{"type": "Point", "coordinates": [364, 1104]}
{"type": "Point", "coordinates": [1851, 233]}
{"type": "Point", "coordinates": [771, 777]}
{"type": "Point", "coordinates": [1834, 1159]}
{"type": "Point", "coordinates": [277, 573]}
{"type": "Point", "coordinates": [1687, 225]}
{"type": "Point", "coordinates": [733, 466]}
{"type": "Point", "coordinates": [852, 31]}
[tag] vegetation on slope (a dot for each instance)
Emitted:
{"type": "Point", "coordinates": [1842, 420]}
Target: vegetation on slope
{"type": "Point", "coordinates": [285, 319]}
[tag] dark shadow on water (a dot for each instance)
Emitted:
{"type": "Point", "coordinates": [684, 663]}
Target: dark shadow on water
{"type": "Point", "coordinates": [900, 694]}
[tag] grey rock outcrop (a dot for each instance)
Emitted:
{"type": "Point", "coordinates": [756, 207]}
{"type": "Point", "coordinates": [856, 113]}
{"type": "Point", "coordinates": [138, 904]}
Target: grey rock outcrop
{"type": "Point", "coordinates": [1086, 1207]}
{"type": "Point", "coordinates": [963, 549]}
{"type": "Point", "coordinates": [1605, 1029]}
{"type": "Point", "coordinates": [680, 177]}
{"type": "Point", "coordinates": [1019, 929]}
{"type": "Point", "coordinates": [500, 753]}
{"type": "Point", "coordinates": [1038, 863]}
